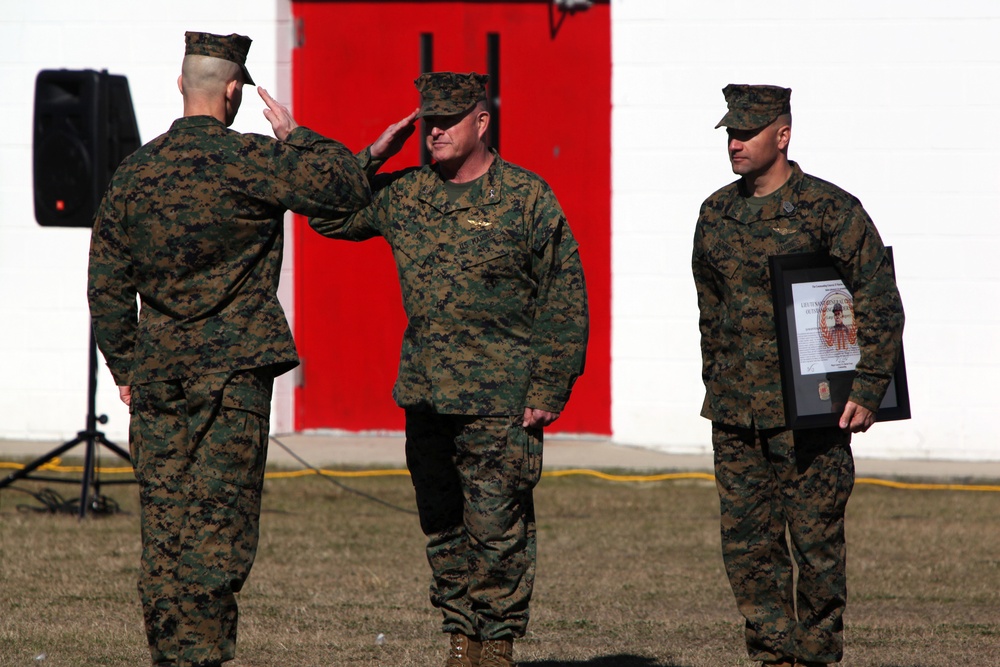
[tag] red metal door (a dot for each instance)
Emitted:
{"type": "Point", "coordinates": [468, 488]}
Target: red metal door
{"type": "Point", "coordinates": [353, 72]}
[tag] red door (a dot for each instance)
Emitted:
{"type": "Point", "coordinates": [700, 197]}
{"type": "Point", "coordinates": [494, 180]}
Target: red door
{"type": "Point", "coordinates": [353, 72]}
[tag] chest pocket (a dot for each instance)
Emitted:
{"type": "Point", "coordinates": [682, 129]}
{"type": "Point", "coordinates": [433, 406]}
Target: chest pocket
{"type": "Point", "coordinates": [411, 246]}
{"type": "Point", "coordinates": [487, 246]}
{"type": "Point", "coordinates": [793, 246]}
{"type": "Point", "coordinates": [724, 259]}
{"type": "Point", "coordinates": [793, 243]}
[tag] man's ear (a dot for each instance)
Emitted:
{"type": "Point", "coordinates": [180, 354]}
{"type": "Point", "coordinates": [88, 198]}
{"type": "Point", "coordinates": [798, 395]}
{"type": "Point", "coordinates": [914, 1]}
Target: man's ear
{"type": "Point", "coordinates": [482, 122]}
{"type": "Point", "coordinates": [180, 83]}
{"type": "Point", "coordinates": [231, 88]}
{"type": "Point", "coordinates": [784, 136]}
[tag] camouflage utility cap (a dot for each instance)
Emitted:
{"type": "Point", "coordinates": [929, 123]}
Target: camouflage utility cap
{"type": "Point", "coordinates": [233, 48]}
{"type": "Point", "coordinates": [449, 93]}
{"type": "Point", "coordinates": [752, 107]}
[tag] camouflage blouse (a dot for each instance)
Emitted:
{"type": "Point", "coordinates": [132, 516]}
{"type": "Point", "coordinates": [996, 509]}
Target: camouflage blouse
{"type": "Point", "coordinates": [492, 286]}
{"type": "Point", "coordinates": [732, 245]}
{"type": "Point", "coordinates": [192, 223]}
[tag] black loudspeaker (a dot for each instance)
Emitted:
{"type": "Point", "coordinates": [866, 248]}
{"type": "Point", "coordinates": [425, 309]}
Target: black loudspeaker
{"type": "Point", "coordinates": [84, 126]}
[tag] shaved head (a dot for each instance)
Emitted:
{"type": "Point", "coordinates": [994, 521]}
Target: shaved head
{"type": "Point", "coordinates": [208, 75]}
{"type": "Point", "coordinates": [211, 87]}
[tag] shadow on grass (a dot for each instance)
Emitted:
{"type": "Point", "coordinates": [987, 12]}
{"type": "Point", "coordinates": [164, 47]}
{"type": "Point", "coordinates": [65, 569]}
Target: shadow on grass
{"type": "Point", "coordinates": [602, 661]}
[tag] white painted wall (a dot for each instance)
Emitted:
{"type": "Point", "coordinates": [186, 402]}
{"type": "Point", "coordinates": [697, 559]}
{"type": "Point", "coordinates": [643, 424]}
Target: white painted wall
{"type": "Point", "coordinates": [43, 271]}
{"type": "Point", "coordinates": [892, 101]}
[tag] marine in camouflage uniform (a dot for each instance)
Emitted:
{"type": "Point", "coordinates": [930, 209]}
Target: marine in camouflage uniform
{"type": "Point", "coordinates": [192, 224]}
{"type": "Point", "coordinates": [769, 476]}
{"type": "Point", "coordinates": [494, 293]}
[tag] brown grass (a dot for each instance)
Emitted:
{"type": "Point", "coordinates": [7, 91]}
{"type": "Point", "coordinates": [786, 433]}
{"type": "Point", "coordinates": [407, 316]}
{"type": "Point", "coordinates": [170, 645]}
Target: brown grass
{"type": "Point", "coordinates": [629, 575]}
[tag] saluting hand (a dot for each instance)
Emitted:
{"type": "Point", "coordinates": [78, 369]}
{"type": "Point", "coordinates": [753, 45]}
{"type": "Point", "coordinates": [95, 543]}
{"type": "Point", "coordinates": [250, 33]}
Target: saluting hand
{"type": "Point", "coordinates": [278, 115]}
{"type": "Point", "coordinates": [392, 140]}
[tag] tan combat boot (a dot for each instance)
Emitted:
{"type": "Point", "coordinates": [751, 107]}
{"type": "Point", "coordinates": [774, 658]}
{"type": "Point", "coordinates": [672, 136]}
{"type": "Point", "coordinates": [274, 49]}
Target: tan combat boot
{"type": "Point", "coordinates": [497, 653]}
{"type": "Point", "coordinates": [463, 652]}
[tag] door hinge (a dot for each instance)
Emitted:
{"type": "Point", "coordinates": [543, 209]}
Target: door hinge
{"type": "Point", "coordinates": [299, 36]}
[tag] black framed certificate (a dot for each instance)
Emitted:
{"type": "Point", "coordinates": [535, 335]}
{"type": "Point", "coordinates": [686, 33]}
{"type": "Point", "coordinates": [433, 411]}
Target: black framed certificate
{"type": "Point", "coordinates": [817, 343]}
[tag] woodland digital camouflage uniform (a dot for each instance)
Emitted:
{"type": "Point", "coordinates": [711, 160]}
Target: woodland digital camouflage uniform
{"type": "Point", "coordinates": [192, 223]}
{"type": "Point", "coordinates": [492, 286]}
{"type": "Point", "coordinates": [233, 48]}
{"type": "Point", "coordinates": [449, 93]}
{"type": "Point", "coordinates": [732, 274]}
{"type": "Point", "coordinates": [741, 371]}
{"type": "Point", "coordinates": [494, 292]}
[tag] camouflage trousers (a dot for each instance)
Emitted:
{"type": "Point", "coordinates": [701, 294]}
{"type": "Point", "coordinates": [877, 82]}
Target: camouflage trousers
{"type": "Point", "coordinates": [473, 478]}
{"type": "Point", "coordinates": [771, 482]}
{"type": "Point", "coordinates": [199, 446]}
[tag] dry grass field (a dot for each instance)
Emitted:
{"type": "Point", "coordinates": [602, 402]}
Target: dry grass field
{"type": "Point", "coordinates": [629, 575]}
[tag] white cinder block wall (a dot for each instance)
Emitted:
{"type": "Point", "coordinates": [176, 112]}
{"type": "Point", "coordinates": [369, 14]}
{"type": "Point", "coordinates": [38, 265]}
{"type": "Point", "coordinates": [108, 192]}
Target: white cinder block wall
{"type": "Point", "coordinates": [43, 271]}
{"type": "Point", "coordinates": [892, 101]}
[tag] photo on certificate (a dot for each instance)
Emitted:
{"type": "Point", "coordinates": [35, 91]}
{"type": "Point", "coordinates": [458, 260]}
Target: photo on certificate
{"type": "Point", "coordinates": [818, 343]}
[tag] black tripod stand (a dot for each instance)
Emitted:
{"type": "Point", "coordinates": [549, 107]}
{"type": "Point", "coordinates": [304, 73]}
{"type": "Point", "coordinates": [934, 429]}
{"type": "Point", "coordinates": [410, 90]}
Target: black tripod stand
{"type": "Point", "coordinates": [91, 437]}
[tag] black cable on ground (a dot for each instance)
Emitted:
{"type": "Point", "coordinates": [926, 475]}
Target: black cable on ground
{"type": "Point", "coordinates": [54, 503]}
{"type": "Point", "coordinates": [340, 485]}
